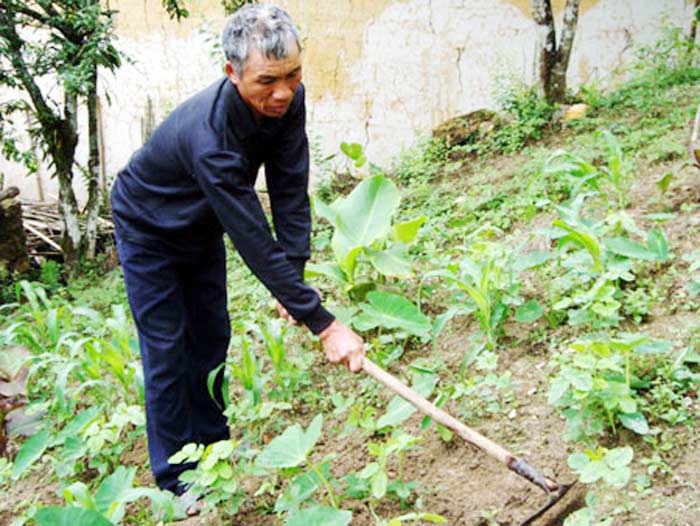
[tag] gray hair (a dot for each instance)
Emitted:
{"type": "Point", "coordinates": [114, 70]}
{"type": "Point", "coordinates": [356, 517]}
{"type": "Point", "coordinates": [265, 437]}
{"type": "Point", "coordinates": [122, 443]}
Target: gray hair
{"type": "Point", "coordinates": [264, 27]}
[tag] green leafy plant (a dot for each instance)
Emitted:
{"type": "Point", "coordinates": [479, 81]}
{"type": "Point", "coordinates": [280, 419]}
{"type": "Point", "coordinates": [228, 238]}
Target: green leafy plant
{"type": "Point", "coordinates": [608, 465]}
{"type": "Point", "coordinates": [488, 273]}
{"type": "Point", "coordinates": [597, 258]}
{"type": "Point", "coordinates": [107, 506]}
{"type": "Point", "coordinates": [582, 175]}
{"type": "Point", "coordinates": [376, 473]}
{"type": "Point", "coordinates": [595, 386]}
{"type": "Point", "coordinates": [220, 467]}
{"type": "Point", "coordinates": [292, 449]}
{"type": "Point", "coordinates": [364, 240]}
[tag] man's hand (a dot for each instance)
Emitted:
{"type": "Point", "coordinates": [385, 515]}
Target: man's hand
{"type": "Point", "coordinates": [342, 345]}
{"type": "Point", "coordinates": [284, 314]}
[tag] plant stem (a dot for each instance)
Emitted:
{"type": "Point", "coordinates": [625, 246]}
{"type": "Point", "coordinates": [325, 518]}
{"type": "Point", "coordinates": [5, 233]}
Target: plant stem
{"type": "Point", "coordinates": [324, 481]}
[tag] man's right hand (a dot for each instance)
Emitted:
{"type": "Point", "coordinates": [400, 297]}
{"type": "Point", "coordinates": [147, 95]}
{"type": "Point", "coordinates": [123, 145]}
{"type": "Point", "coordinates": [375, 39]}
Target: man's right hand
{"type": "Point", "coordinates": [342, 345]}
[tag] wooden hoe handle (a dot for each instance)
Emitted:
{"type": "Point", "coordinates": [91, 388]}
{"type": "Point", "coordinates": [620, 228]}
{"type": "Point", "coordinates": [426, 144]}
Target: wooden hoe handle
{"type": "Point", "coordinates": [520, 466]}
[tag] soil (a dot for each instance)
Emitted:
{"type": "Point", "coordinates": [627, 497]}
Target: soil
{"type": "Point", "coordinates": [461, 482]}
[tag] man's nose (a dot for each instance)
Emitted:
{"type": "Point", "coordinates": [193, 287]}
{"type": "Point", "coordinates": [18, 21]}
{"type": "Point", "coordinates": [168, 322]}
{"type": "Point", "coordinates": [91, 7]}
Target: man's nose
{"type": "Point", "coordinates": [283, 93]}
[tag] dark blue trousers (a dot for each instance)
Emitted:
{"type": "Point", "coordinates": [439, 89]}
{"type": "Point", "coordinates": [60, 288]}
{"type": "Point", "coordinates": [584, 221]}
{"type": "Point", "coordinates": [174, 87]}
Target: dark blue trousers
{"type": "Point", "coordinates": [178, 299]}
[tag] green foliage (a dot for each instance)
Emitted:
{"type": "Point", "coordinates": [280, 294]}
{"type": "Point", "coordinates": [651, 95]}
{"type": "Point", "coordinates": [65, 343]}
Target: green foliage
{"type": "Point", "coordinates": [581, 175]}
{"type": "Point", "coordinates": [488, 272]}
{"type": "Point", "coordinates": [391, 311]}
{"type": "Point", "coordinates": [529, 114]}
{"type": "Point", "coordinates": [364, 236]}
{"type": "Point", "coordinates": [609, 465]}
{"type": "Point", "coordinates": [220, 467]}
{"type": "Point", "coordinates": [597, 257]}
{"type": "Point", "coordinates": [596, 387]}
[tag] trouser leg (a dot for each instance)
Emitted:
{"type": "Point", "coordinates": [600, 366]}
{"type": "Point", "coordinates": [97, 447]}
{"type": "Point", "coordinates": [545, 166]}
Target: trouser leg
{"type": "Point", "coordinates": [157, 303]}
{"type": "Point", "coordinates": [208, 334]}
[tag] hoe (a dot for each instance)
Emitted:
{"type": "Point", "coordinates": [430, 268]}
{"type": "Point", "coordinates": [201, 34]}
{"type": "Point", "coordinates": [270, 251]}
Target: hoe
{"type": "Point", "coordinates": [554, 490]}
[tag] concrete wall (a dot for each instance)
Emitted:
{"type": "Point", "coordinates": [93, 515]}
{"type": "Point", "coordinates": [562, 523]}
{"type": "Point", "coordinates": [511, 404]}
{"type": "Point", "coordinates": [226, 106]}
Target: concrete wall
{"type": "Point", "coordinates": [377, 71]}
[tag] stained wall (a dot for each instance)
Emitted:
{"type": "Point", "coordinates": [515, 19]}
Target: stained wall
{"type": "Point", "coordinates": [377, 72]}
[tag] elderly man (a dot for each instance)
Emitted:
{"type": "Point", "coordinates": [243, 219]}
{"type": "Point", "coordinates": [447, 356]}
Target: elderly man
{"type": "Point", "coordinates": [192, 181]}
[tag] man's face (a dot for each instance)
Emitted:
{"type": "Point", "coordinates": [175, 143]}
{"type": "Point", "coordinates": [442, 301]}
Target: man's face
{"type": "Point", "coordinates": [267, 86]}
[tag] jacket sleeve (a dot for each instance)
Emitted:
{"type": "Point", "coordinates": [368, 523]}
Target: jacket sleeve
{"type": "Point", "coordinates": [221, 174]}
{"type": "Point", "coordinates": [287, 175]}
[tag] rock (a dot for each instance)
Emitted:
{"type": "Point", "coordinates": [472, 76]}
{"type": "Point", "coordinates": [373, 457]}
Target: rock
{"type": "Point", "coordinates": [469, 128]}
{"type": "Point", "coordinates": [574, 112]}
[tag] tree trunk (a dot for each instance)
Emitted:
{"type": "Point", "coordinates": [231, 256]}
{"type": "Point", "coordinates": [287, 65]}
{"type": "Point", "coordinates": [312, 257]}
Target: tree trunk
{"type": "Point", "coordinates": [68, 204]}
{"type": "Point", "coordinates": [553, 59]}
{"type": "Point", "coordinates": [693, 30]}
{"type": "Point", "coordinates": [93, 167]}
{"type": "Point", "coordinates": [557, 88]}
{"type": "Point", "coordinates": [13, 240]}
{"type": "Point", "coordinates": [546, 40]}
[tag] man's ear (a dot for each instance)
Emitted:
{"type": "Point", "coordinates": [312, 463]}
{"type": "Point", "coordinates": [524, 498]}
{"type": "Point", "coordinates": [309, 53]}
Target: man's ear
{"type": "Point", "coordinates": [231, 74]}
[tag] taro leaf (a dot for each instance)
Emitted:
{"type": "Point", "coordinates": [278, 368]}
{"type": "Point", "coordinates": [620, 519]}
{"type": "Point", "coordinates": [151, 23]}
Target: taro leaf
{"type": "Point", "coordinates": [364, 215]}
{"type": "Point", "coordinates": [635, 422]}
{"type": "Point", "coordinates": [320, 516]}
{"type": "Point", "coordinates": [393, 312]}
{"type": "Point", "coordinates": [390, 262]}
{"type": "Point", "coordinates": [21, 423]}
{"type": "Point", "coordinates": [406, 232]}
{"type": "Point", "coordinates": [328, 270]}
{"type": "Point", "coordinates": [110, 495]}
{"type": "Point", "coordinates": [399, 409]}
{"type": "Point", "coordinates": [29, 453]}
{"type": "Point", "coordinates": [533, 259]}
{"type": "Point", "coordinates": [11, 361]}
{"type": "Point", "coordinates": [55, 516]}
{"type": "Point", "coordinates": [297, 492]}
{"type": "Point", "coordinates": [291, 448]}
{"type": "Point", "coordinates": [529, 312]}
{"type": "Point", "coordinates": [623, 246]}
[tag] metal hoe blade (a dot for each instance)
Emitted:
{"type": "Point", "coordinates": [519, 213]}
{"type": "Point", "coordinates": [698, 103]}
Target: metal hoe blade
{"type": "Point", "coordinates": [554, 497]}
{"type": "Point", "coordinates": [553, 489]}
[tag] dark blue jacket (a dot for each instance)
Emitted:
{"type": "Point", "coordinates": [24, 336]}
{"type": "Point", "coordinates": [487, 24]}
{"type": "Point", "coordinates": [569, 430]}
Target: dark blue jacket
{"type": "Point", "coordinates": [194, 179]}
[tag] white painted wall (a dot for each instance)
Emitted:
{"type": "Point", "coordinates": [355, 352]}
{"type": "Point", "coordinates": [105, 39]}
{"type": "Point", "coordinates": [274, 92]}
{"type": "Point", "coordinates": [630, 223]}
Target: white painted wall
{"type": "Point", "coordinates": [409, 65]}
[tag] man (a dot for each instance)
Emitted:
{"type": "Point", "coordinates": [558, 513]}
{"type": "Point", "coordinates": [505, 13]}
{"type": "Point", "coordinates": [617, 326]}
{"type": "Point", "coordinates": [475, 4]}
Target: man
{"type": "Point", "coordinates": [192, 181]}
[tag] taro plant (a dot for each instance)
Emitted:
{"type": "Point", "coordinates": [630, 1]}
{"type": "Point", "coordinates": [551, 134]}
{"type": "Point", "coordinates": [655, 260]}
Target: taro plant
{"type": "Point", "coordinates": [107, 506]}
{"type": "Point", "coordinates": [367, 245]}
{"type": "Point", "coordinates": [290, 450]}
{"type": "Point", "coordinates": [596, 388]}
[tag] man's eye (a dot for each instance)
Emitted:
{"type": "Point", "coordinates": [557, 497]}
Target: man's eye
{"type": "Point", "coordinates": [267, 82]}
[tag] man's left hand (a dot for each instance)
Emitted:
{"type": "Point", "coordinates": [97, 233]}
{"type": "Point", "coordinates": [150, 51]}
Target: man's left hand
{"type": "Point", "coordinates": [284, 313]}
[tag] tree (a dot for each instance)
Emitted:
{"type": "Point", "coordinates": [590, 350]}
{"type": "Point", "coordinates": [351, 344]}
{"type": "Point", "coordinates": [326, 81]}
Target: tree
{"type": "Point", "coordinates": [693, 28]}
{"type": "Point", "coordinates": [44, 45]}
{"type": "Point", "coordinates": [553, 58]}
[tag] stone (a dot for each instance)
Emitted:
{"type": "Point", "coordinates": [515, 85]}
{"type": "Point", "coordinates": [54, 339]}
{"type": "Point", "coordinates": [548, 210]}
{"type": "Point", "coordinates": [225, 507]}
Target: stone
{"type": "Point", "coordinates": [469, 128]}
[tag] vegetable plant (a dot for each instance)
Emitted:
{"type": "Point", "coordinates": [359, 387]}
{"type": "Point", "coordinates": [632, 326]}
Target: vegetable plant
{"type": "Point", "coordinates": [367, 245]}
{"type": "Point", "coordinates": [595, 386]}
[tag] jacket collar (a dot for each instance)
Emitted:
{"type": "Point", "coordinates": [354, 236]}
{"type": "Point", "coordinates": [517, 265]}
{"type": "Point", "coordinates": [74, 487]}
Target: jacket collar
{"type": "Point", "coordinates": [239, 114]}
